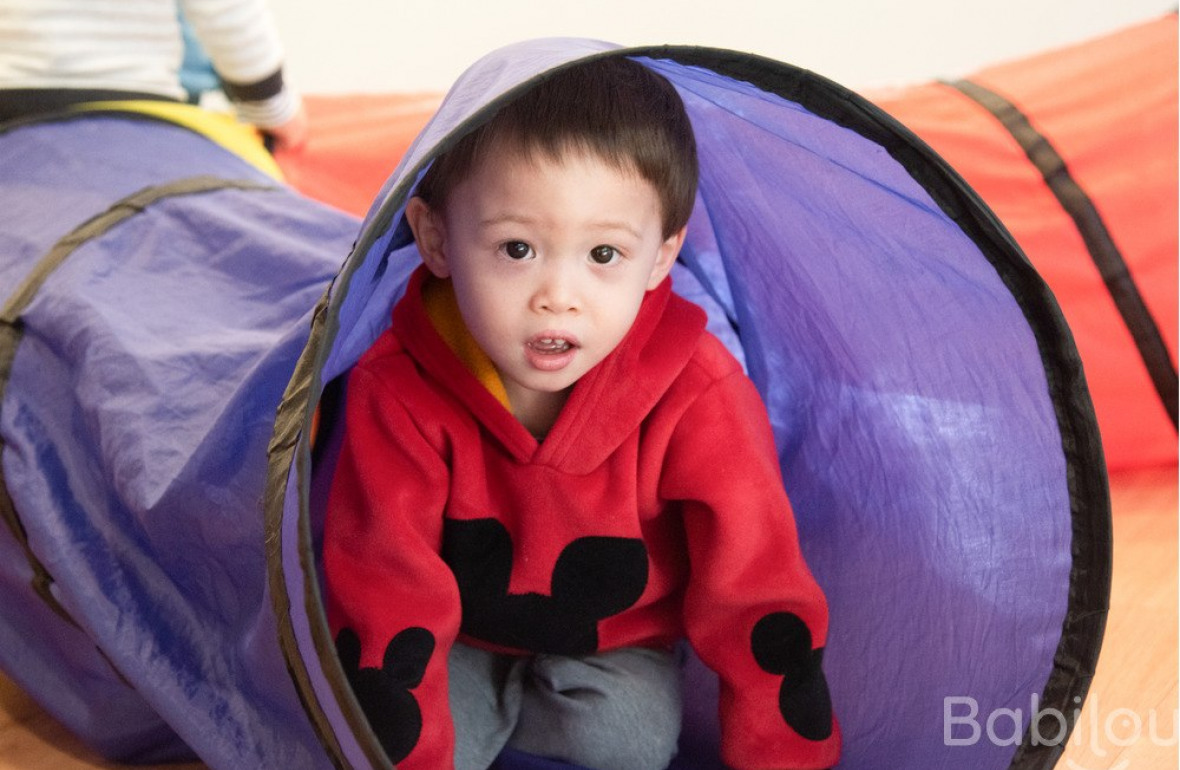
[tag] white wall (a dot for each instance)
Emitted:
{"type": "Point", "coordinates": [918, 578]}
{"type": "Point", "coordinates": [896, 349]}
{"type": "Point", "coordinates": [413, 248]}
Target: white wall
{"type": "Point", "coordinates": [340, 46]}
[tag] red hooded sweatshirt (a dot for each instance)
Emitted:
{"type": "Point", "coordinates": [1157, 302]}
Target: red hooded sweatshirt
{"type": "Point", "coordinates": [654, 509]}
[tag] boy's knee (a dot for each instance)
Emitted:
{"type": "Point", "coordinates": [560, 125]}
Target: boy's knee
{"type": "Point", "coordinates": [615, 710]}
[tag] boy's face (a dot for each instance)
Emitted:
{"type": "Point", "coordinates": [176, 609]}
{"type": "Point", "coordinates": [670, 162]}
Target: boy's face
{"type": "Point", "coordinates": [550, 261]}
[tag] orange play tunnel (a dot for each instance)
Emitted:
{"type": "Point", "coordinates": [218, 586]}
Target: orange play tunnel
{"type": "Point", "coordinates": [1075, 151]}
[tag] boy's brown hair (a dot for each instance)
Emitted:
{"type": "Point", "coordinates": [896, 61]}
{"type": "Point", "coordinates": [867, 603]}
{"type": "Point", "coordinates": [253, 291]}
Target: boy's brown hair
{"type": "Point", "coordinates": [613, 108]}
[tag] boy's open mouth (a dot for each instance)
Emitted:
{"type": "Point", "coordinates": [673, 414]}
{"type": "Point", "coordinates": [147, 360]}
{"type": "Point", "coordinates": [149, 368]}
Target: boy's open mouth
{"type": "Point", "coordinates": [550, 344]}
{"type": "Point", "coordinates": [551, 351]}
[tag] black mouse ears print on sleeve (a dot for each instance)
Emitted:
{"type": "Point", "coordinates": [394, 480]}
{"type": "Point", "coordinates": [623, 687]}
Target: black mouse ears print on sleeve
{"type": "Point", "coordinates": [781, 643]}
{"type": "Point", "coordinates": [384, 693]}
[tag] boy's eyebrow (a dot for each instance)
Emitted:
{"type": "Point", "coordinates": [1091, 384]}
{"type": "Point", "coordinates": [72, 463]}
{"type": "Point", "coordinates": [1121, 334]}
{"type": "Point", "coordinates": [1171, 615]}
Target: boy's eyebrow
{"type": "Point", "coordinates": [524, 219]}
{"type": "Point", "coordinates": [512, 219]}
{"type": "Point", "coordinates": [617, 225]}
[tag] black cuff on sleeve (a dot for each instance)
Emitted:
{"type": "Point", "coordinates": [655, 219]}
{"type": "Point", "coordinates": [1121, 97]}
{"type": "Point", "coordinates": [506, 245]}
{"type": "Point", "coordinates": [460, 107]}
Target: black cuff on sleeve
{"type": "Point", "coordinates": [257, 91]}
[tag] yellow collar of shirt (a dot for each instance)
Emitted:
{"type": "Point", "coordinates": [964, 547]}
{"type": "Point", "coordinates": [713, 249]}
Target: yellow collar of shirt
{"type": "Point", "coordinates": [438, 295]}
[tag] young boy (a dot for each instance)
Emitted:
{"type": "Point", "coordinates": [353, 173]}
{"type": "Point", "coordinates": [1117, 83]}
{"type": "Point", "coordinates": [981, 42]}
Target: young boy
{"type": "Point", "coordinates": [551, 472]}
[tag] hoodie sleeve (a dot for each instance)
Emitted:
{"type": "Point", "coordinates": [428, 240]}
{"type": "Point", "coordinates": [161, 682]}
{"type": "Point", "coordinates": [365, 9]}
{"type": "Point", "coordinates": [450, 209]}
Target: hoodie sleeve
{"type": "Point", "coordinates": [752, 610]}
{"type": "Point", "coordinates": [393, 606]}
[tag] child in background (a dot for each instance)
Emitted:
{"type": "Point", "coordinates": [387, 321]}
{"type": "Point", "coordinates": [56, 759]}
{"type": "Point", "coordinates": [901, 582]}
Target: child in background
{"type": "Point", "coordinates": [551, 472]}
{"type": "Point", "coordinates": [55, 54]}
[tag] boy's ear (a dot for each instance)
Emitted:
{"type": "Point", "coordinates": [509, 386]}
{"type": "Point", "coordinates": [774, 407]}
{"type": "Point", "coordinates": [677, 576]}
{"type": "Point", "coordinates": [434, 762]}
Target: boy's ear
{"type": "Point", "coordinates": [666, 257]}
{"type": "Point", "coordinates": [430, 235]}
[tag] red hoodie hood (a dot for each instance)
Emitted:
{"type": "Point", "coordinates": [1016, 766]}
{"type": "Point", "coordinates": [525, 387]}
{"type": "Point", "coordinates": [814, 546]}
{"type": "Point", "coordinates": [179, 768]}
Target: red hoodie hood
{"type": "Point", "coordinates": [602, 409]}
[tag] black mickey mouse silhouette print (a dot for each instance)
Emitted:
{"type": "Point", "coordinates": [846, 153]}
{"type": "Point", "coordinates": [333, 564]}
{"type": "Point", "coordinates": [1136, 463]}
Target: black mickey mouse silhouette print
{"type": "Point", "coordinates": [781, 643]}
{"type": "Point", "coordinates": [384, 693]}
{"type": "Point", "coordinates": [593, 579]}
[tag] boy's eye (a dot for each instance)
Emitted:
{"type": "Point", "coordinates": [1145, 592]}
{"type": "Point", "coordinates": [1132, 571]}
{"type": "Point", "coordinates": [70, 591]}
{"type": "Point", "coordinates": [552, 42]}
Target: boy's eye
{"type": "Point", "coordinates": [517, 250]}
{"type": "Point", "coordinates": [603, 255]}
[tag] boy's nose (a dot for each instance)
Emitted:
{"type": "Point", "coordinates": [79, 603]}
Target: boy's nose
{"type": "Point", "coordinates": [557, 291]}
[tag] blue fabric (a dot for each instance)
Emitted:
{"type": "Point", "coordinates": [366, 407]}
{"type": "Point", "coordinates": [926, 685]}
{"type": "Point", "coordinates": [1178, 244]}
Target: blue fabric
{"type": "Point", "coordinates": [135, 427]}
{"type": "Point", "coordinates": [196, 69]}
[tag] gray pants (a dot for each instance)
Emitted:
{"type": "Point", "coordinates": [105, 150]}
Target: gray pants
{"type": "Point", "coordinates": [617, 710]}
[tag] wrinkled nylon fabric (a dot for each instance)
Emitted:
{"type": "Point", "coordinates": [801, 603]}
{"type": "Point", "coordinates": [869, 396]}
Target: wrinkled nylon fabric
{"type": "Point", "coordinates": [135, 424]}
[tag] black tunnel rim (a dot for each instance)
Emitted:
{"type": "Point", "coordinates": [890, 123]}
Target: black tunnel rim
{"type": "Point", "coordinates": [1089, 583]}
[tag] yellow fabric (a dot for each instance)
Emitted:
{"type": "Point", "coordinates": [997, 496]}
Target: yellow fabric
{"type": "Point", "coordinates": [224, 129]}
{"type": "Point", "coordinates": [443, 310]}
